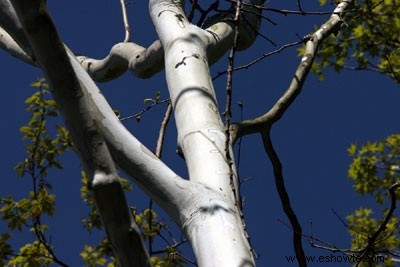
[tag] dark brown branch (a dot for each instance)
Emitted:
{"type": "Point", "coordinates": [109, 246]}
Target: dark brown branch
{"type": "Point", "coordinates": [190, 15]}
{"type": "Point", "coordinates": [284, 197]}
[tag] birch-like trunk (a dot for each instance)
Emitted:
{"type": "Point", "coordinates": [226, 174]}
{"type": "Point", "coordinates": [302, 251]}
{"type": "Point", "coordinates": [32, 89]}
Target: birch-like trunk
{"type": "Point", "coordinates": [214, 228]}
{"type": "Point", "coordinates": [206, 206]}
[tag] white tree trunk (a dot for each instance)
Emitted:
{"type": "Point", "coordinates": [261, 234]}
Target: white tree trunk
{"type": "Point", "coordinates": [214, 229]}
{"type": "Point", "coordinates": [207, 206]}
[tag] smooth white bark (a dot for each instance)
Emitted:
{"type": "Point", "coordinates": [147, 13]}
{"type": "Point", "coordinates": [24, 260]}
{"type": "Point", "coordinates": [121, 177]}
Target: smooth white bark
{"type": "Point", "coordinates": [201, 134]}
{"type": "Point", "coordinates": [8, 43]}
{"type": "Point", "coordinates": [214, 229]}
{"type": "Point", "coordinates": [113, 65]}
{"type": "Point", "coordinates": [10, 23]}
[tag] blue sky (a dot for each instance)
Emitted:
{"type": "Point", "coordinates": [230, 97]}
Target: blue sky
{"type": "Point", "coordinates": [311, 138]}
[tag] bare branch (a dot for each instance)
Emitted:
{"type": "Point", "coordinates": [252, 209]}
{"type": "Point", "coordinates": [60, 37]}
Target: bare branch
{"type": "Point", "coordinates": [145, 62]}
{"type": "Point", "coordinates": [299, 7]}
{"type": "Point", "coordinates": [163, 127]}
{"type": "Point", "coordinates": [10, 23]}
{"type": "Point", "coordinates": [190, 15]}
{"type": "Point", "coordinates": [284, 197]}
{"type": "Point", "coordinates": [148, 62]}
{"type": "Point", "coordinates": [138, 115]}
{"type": "Point", "coordinates": [113, 65]}
{"type": "Point", "coordinates": [8, 43]}
{"type": "Point", "coordinates": [228, 107]}
{"type": "Point", "coordinates": [126, 22]}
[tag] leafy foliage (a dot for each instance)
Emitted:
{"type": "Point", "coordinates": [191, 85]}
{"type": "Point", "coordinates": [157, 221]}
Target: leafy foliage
{"type": "Point", "coordinates": [42, 153]}
{"type": "Point", "coordinates": [374, 169]}
{"type": "Point", "coordinates": [370, 40]}
{"type": "Point", "coordinates": [102, 254]}
{"type": "Point", "coordinates": [99, 255]}
{"type": "Point", "coordinates": [362, 226]}
{"type": "Point", "coordinates": [27, 214]}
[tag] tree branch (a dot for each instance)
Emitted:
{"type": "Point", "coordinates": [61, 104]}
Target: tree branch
{"type": "Point", "coordinates": [163, 127]}
{"type": "Point", "coordinates": [10, 23]}
{"type": "Point", "coordinates": [284, 197]}
{"type": "Point", "coordinates": [264, 123]}
{"type": "Point", "coordinates": [113, 65]}
{"type": "Point", "coordinates": [126, 22]}
{"type": "Point", "coordinates": [8, 44]}
{"type": "Point", "coordinates": [143, 62]}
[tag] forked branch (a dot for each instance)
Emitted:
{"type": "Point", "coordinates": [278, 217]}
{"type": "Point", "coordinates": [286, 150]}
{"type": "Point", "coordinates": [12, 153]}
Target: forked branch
{"type": "Point", "coordinates": [263, 124]}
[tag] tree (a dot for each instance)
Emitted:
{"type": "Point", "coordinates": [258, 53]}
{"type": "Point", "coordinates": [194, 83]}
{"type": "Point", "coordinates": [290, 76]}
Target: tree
{"type": "Point", "coordinates": [208, 207]}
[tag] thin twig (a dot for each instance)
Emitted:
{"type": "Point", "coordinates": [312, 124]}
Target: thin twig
{"type": "Point", "coordinates": [299, 7]}
{"type": "Point", "coordinates": [228, 116]}
{"type": "Point", "coordinates": [286, 11]}
{"type": "Point", "coordinates": [345, 224]}
{"type": "Point", "coordinates": [147, 108]}
{"type": "Point", "coordinates": [228, 107]}
{"type": "Point", "coordinates": [276, 51]}
{"type": "Point", "coordinates": [239, 153]}
{"type": "Point", "coordinates": [159, 147]}
{"type": "Point", "coordinates": [161, 135]}
{"type": "Point", "coordinates": [258, 32]}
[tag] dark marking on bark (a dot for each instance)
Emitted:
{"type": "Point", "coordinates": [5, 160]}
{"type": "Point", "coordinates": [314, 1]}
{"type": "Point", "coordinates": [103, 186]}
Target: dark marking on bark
{"type": "Point", "coordinates": [197, 56]}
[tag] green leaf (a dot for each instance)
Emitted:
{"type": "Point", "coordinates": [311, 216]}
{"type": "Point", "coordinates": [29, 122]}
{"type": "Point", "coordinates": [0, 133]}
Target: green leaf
{"type": "Point", "coordinates": [36, 84]}
{"type": "Point", "coordinates": [352, 149]}
{"type": "Point", "coordinates": [148, 100]}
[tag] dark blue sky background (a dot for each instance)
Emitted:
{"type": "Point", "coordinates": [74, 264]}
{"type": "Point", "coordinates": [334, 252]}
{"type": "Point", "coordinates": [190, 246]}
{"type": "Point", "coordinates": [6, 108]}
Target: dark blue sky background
{"type": "Point", "coordinates": [311, 139]}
